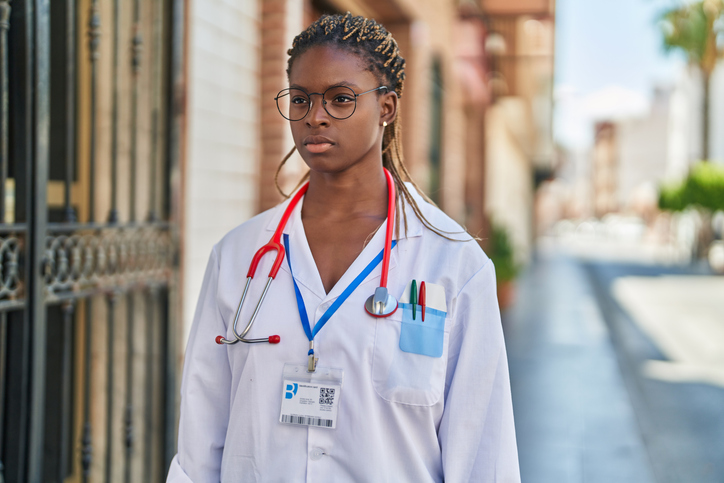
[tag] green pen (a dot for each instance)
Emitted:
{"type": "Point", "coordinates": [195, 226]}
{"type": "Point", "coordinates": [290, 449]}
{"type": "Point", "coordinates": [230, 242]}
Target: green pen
{"type": "Point", "coordinates": [413, 297]}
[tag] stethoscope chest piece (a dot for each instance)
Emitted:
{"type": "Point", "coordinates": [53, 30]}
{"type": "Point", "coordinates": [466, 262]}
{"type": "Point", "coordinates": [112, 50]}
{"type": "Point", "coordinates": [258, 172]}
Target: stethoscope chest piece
{"type": "Point", "coordinates": [381, 304]}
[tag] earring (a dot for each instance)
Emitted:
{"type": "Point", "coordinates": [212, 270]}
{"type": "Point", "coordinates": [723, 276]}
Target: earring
{"type": "Point", "coordinates": [384, 123]}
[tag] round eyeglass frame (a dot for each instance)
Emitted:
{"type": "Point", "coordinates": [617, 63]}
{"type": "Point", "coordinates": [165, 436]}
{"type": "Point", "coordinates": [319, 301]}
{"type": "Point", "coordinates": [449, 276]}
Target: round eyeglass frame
{"type": "Point", "coordinates": [324, 102]}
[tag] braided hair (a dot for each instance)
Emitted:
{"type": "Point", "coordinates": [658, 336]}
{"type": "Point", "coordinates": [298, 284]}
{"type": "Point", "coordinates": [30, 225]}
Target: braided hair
{"type": "Point", "coordinates": [373, 43]}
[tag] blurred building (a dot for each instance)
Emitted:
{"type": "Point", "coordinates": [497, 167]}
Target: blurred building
{"type": "Point", "coordinates": [631, 157]}
{"type": "Point", "coordinates": [134, 135]}
{"type": "Point", "coordinates": [685, 126]}
{"type": "Point", "coordinates": [646, 147]}
{"type": "Point", "coordinates": [717, 114]}
{"type": "Point", "coordinates": [518, 131]}
{"type": "Point", "coordinates": [605, 164]}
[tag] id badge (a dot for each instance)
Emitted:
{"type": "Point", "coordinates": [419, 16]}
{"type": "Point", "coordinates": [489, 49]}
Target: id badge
{"type": "Point", "coordinates": [310, 399]}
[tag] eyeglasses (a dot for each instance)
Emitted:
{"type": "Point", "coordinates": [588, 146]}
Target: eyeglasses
{"type": "Point", "coordinates": [340, 102]}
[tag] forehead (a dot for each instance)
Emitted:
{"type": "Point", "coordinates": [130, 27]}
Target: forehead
{"type": "Point", "coordinates": [323, 66]}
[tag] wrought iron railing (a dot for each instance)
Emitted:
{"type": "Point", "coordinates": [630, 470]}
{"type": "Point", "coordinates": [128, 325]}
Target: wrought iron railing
{"type": "Point", "coordinates": [88, 279]}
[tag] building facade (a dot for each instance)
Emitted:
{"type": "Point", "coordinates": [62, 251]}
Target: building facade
{"type": "Point", "coordinates": [518, 132]}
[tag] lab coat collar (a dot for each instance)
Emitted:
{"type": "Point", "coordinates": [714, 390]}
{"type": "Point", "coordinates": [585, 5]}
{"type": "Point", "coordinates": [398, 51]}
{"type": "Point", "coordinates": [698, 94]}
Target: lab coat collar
{"type": "Point", "coordinates": [414, 225]}
{"type": "Point", "coordinates": [305, 269]}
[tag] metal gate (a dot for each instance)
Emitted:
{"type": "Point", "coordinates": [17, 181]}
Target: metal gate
{"type": "Point", "coordinates": [91, 106]}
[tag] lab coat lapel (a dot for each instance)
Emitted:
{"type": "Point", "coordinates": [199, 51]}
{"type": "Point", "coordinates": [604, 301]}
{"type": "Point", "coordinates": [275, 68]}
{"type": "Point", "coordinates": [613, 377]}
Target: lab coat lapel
{"type": "Point", "coordinates": [305, 269]}
{"type": "Point", "coordinates": [373, 248]}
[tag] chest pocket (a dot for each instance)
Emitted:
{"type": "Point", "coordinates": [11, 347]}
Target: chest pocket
{"type": "Point", "coordinates": [410, 357]}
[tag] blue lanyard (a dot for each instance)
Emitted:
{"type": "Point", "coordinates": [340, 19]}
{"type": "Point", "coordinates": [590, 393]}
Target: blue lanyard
{"type": "Point", "coordinates": [337, 303]}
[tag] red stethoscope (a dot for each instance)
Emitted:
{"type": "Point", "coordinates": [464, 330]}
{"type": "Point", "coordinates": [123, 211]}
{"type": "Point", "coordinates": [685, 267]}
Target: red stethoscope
{"type": "Point", "coordinates": [381, 304]}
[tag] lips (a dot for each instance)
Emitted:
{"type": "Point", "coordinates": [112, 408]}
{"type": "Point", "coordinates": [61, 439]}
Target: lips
{"type": "Point", "coordinates": [317, 144]}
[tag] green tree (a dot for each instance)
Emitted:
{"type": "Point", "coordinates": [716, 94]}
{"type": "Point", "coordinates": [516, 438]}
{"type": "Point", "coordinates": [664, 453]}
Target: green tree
{"type": "Point", "coordinates": [702, 188]}
{"type": "Point", "coordinates": [693, 29]}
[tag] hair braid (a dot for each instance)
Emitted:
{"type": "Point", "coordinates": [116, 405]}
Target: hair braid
{"type": "Point", "coordinates": [371, 41]}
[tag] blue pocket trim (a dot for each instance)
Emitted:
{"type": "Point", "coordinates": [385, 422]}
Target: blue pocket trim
{"type": "Point", "coordinates": [424, 338]}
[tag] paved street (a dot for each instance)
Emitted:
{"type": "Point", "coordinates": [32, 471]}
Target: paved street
{"type": "Point", "coordinates": [684, 317]}
{"type": "Point", "coordinates": [682, 423]}
{"type": "Point", "coordinates": [573, 417]}
{"type": "Point", "coordinates": [586, 410]}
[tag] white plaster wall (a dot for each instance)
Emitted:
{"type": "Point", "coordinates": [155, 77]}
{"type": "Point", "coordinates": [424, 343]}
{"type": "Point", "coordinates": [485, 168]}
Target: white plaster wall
{"type": "Point", "coordinates": [642, 152]}
{"type": "Point", "coordinates": [692, 86]}
{"type": "Point", "coordinates": [685, 128]}
{"type": "Point", "coordinates": [221, 176]}
{"type": "Point", "coordinates": [716, 113]}
{"type": "Point", "coordinates": [677, 158]}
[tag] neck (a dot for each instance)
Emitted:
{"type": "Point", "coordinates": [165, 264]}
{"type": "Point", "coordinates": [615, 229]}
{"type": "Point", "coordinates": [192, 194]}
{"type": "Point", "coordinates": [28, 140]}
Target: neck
{"type": "Point", "coordinates": [345, 195]}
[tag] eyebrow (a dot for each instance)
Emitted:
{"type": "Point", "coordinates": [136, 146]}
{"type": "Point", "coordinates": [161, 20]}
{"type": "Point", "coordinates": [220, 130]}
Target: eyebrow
{"type": "Point", "coordinates": [335, 84]}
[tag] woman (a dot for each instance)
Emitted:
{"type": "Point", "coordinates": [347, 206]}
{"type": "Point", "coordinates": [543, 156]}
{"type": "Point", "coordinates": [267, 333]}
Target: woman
{"type": "Point", "coordinates": [403, 397]}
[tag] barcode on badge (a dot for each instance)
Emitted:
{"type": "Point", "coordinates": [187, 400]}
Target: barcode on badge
{"type": "Point", "coordinates": [307, 421]}
{"type": "Point", "coordinates": [326, 396]}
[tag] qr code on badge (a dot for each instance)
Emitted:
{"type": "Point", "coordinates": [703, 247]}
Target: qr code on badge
{"type": "Point", "coordinates": [326, 395]}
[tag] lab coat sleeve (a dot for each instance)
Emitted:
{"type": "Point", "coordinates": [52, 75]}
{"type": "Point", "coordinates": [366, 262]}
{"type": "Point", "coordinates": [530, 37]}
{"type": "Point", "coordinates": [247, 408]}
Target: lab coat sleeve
{"type": "Point", "coordinates": [477, 434]}
{"type": "Point", "coordinates": [205, 390]}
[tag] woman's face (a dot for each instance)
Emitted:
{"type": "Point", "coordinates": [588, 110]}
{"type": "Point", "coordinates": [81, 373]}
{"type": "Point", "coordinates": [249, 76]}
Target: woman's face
{"type": "Point", "coordinates": [330, 145]}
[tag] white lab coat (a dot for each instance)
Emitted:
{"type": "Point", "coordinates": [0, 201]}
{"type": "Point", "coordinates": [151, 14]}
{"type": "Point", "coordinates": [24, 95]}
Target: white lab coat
{"type": "Point", "coordinates": [448, 418]}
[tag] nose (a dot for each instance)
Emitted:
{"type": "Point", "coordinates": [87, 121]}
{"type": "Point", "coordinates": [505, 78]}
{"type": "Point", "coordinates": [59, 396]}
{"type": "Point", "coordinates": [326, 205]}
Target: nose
{"type": "Point", "coordinates": [317, 115]}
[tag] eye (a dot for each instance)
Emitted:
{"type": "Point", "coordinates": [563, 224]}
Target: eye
{"type": "Point", "coordinates": [342, 99]}
{"type": "Point", "coordinates": [299, 100]}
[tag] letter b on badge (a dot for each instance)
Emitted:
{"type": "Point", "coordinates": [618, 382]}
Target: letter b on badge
{"type": "Point", "coordinates": [291, 390]}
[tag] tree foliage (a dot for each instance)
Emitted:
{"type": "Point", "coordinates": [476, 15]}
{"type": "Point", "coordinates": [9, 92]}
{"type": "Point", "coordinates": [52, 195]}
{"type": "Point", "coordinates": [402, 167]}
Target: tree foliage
{"type": "Point", "coordinates": [703, 188]}
{"type": "Point", "coordinates": [697, 30]}
{"type": "Point", "coordinates": [693, 29]}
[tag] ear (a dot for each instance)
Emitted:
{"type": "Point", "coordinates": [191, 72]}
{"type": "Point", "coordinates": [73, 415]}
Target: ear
{"type": "Point", "coordinates": [388, 107]}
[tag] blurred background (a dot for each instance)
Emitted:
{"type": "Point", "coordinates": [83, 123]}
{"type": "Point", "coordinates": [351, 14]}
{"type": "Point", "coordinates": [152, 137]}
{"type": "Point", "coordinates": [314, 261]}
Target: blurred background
{"type": "Point", "coordinates": [581, 141]}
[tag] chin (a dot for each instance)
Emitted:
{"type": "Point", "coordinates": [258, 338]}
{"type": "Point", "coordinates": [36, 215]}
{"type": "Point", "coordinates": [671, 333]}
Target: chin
{"type": "Point", "coordinates": [326, 163]}
{"type": "Point", "coordinates": [327, 167]}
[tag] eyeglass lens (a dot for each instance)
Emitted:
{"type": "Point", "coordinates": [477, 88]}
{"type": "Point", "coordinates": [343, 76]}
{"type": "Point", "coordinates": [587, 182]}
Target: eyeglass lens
{"type": "Point", "coordinates": [339, 102]}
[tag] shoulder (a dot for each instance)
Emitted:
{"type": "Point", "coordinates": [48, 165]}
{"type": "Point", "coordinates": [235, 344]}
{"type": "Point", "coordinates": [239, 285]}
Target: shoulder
{"type": "Point", "coordinates": [438, 218]}
{"type": "Point", "coordinates": [459, 250]}
{"type": "Point", "coordinates": [458, 240]}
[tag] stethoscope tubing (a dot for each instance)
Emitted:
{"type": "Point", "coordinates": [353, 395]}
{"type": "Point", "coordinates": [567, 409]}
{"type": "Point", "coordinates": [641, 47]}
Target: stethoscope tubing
{"type": "Point", "coordinates": [391, 205]}
{"type": "Point", "coordinates": [275, 244]}
{"type": "Point", "coordinates": [240, 337]}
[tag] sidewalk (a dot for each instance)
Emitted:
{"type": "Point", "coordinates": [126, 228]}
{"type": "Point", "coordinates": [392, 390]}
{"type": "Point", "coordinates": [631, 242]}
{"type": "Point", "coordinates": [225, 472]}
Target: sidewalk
{"type": "Point", "coordinates": [684, 317]}
{"type": "Point", "coordinates": [574, 419]}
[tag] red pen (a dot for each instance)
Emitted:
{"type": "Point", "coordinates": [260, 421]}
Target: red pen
{"type": "Point", "coordinates": [421, 299]}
